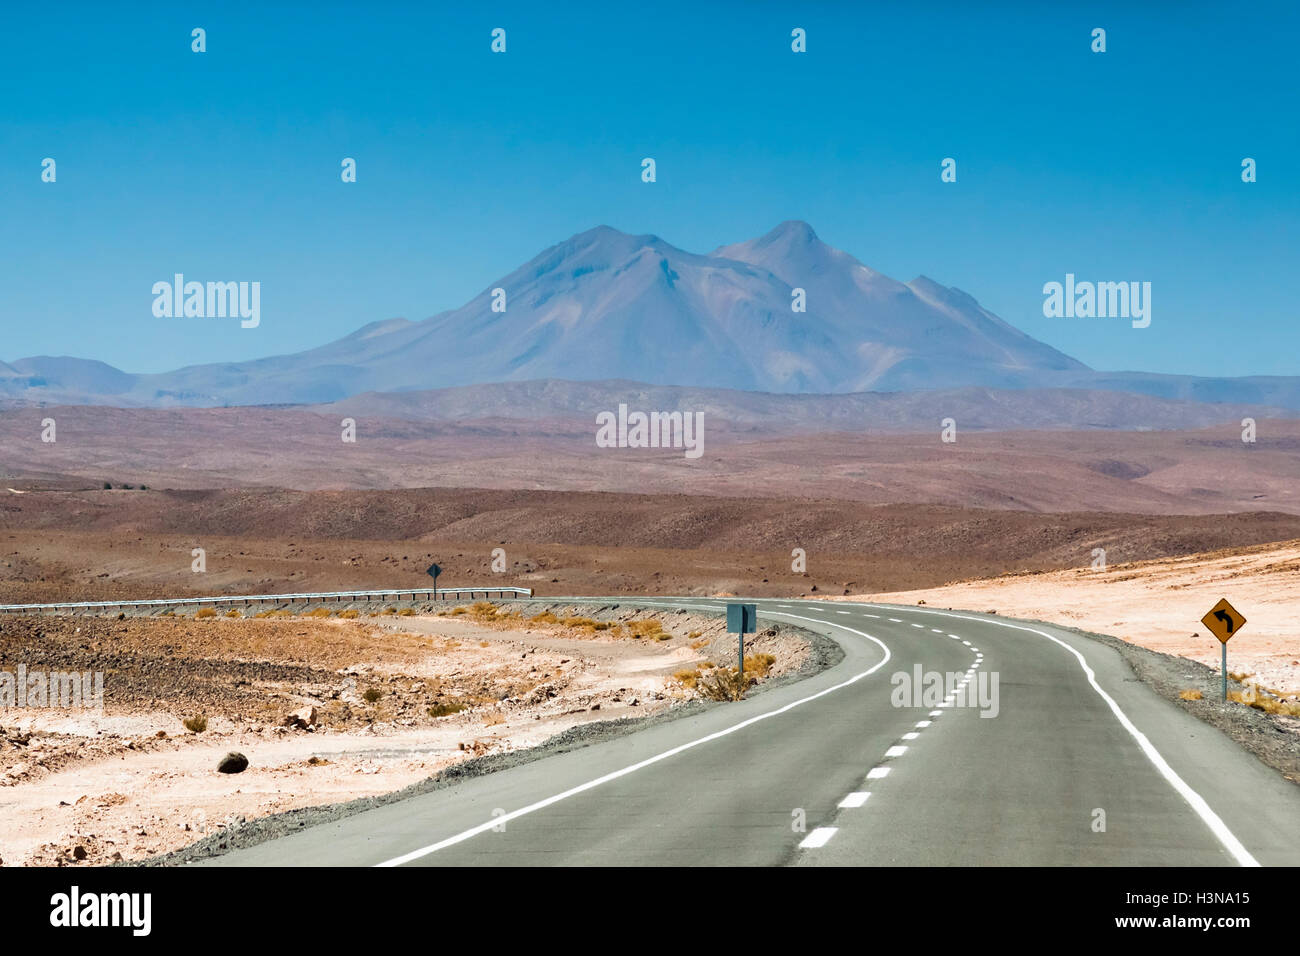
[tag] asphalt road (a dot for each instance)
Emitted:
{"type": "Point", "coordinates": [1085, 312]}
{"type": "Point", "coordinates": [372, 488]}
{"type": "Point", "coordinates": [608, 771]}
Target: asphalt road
{"type": "Point", "coordinates": [1081, 764]}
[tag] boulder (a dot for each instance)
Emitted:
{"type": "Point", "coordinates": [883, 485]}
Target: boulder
{"type": "Point", "coordinates": [303, 718]}
{"type": "Point", "coordinates": [233, 763]}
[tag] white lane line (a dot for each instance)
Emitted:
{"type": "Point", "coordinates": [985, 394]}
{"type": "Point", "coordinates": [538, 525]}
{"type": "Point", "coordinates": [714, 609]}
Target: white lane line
{"type": "Point", "coordinates": [936, 713]}
{"type": "Point", "coordinates": [876, 616]}
{"type": "Point", "coordinates": [672, 752]}
{"type": "Point", "coordinates": [936, 630]}
{"type": "Point", "coordinates": [921, 626]}
{"type": "Point", "coordinates": [923, 723]}
{"type": "Point", "coordinates": [875, 773]}
{"type": "Point", "coordinates": [911, 735]}
{"type": "Point", "coordinates": [819, 837]}
{"type": "Point", "coordinates": [895, 620]}
{"type": "Point", "coordinates": [841, 612]}
{"type": "Point", "coordinates": [855, 800]}
{"type": "Point", "coordinates": [1202, 809]}
{"type": "Point", "coordinates": [785, 605]}
{"type": "Point", "coordinates": [967, 643]}
{"type": "Point", "coordinates": [955, 637]}
{"type": "Point", "coordinates": [896, 751]}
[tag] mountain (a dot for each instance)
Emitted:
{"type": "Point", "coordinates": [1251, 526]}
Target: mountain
{"type": "Point", "coordinates": [605, 305]}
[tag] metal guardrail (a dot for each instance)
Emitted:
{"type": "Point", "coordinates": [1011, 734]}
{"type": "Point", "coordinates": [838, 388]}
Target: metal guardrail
{"type": "Point", "coordinates": [351, 597]}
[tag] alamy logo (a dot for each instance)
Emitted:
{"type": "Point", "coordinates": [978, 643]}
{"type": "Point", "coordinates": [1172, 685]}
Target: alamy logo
{"type": "Point", "coordinates": [74, 908]}
{"type": "Point", "coordinates": [213, 300]}
{"type": "Point", "coordinates": [931, 689]}
{"type": "Point", "coordinates": [71, 690]}
{"type": "Point", "coordinates": [1102, 300]}
{"type": "Point", "coordinates": [652, 430]}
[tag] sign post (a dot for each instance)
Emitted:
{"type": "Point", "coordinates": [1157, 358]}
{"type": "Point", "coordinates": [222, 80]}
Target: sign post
{"type": "Point", "coordinates": [742, 619]}
{"type": "Point", "coordinates": [433, 571]}
{"type": "Point", "coordinates": [1223, 620]}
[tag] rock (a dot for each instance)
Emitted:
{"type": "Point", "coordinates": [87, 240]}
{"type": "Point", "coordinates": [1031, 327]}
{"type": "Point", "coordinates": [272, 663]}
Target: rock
{"type": "Point", "coordinates": [233, 763]}
{"type": "Point", "coordinates": [78, 852]}
{"type": "Point", "coordinates": [303, 718]}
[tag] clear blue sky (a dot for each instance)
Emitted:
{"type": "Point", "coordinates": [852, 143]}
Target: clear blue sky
{"type": "Point", "coordinates": [225, 165]}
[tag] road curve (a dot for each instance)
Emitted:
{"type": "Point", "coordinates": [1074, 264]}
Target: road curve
{"type": "Point", "coordinates": [1082, 765]}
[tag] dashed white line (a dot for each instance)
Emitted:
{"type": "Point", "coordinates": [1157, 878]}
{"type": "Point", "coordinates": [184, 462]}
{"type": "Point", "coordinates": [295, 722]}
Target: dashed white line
{"type": "Point", "coordinates": [911, 735]}
{"type": "Point", "coordinates": [819, 837]}
{"type": "Point", "coordinates": [896, 751]}
{"type": "Point", "coordinates": [923, 723]}
{"type": "Point", "coordinates": [1198, 803]}
{"type": "Point", "coordinates": [649, 761]}
{"type": "Point", "coordinates": [875, 773]}
{"type": "Point", "coordinates": [855, 800]}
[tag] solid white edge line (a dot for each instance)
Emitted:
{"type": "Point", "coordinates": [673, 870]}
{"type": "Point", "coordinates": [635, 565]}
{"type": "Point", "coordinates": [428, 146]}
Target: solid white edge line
{"type": "Point", "coordinates": [1198, 804]}
{"type": "Point", "coordinates": [496, 822]}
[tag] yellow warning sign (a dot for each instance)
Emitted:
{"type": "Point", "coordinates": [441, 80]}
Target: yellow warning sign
{"type": "Point", "coordinates": [1224, 620]}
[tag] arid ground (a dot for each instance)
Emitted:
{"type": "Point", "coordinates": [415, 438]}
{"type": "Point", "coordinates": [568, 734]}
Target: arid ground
{"type": "Point", "coordinates": [324, 708]}
{"type": "Point", "coordinates": [1131, 534]}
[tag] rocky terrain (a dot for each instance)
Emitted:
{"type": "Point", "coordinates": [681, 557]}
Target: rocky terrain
{"type": "Point", "coordinates": [320, 708]}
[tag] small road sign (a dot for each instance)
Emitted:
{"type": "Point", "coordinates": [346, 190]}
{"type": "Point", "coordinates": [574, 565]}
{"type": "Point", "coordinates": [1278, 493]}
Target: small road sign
{"type": "Point", "coordinates": [433, 572]}
{"type": "Point", "coordinates": [1223, 621]}
{"type": "Point", "coordinates": [742, 619]}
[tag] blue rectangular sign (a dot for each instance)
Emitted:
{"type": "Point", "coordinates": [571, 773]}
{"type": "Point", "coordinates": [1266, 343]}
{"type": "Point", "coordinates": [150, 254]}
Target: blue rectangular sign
{"type": "Point", "coordinates": [742, 618]}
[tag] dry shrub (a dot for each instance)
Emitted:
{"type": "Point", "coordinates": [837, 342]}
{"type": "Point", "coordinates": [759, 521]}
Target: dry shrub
{"type": "Point", "coordinates": [687, 677]}
{"type": "Point", "coordinates": [724, 683]}
{"type": "Point", "coordinates": [1261, 699]}
{"type": "Point", "coordinates": [196, 724]}
{"type": "Point", "coordinates": [206, 612]}
{"type": "Point", "coordinates": [650, 627]}
{"type": "Point", "coordinates": [1190, 695]}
